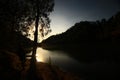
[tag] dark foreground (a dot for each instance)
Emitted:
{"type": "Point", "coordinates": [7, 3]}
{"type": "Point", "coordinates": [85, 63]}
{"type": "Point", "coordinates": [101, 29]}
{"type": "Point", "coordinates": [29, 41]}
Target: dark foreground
{"type": "Point", "coordinates": [11, 69]}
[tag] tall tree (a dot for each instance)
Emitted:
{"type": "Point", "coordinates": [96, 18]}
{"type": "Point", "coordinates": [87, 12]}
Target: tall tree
{"type": "Point", "coordinates": [42, 9]}
{"type": "Point", "coordinates": [19, 15]}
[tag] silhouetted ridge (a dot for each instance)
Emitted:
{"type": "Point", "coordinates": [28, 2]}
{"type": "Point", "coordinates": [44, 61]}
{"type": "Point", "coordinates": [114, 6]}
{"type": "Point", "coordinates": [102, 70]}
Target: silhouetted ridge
{"type": "Point", "coordinates": [89, 40]}
{"type": "Point", "coordinates": [88, 31]}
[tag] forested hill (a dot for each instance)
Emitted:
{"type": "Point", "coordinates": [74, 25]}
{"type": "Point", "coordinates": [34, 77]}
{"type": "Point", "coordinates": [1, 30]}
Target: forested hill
{"type": "Point", "coordinates": [89, 41]}
{"type": "Point", "coordinates": [88, 32]}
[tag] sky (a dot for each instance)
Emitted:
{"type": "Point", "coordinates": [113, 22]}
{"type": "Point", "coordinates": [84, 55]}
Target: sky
{"type": "Point", "coordinates": [68, 12]}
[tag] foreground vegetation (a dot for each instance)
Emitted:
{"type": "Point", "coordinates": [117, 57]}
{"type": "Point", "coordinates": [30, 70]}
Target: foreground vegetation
{"type": "Point", "coordinates": [11, 69]}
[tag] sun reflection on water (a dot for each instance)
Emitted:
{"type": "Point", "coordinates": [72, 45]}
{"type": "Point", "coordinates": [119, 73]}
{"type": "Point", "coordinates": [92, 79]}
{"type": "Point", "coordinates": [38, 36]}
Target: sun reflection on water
{"type": "Point", "coordinates": [42, 55]}
{"type": "Point", "coordinates": [39, 58]}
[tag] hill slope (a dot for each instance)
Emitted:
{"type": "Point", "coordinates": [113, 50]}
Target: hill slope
{"type": "Point", "coordinates": [91, 41]}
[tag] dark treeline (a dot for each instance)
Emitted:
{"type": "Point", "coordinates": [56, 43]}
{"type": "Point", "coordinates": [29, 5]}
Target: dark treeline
{"type": "Point", "coordinates": [12, 41]}
{"type": "Point", "coordinates": [12, 25]}
{"type": "Point", "coordinates": [13, 49]}
{"type": "Point", "coordinates": [90, 41]}
{"type": "Point", "coordinates": [15, 17]}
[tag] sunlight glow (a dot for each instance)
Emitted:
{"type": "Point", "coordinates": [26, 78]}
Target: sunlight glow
{"type": "Point", "coordinates": [31, 33]}
{"type": "Point", "coordinates": [41, 55]}
{"type": "Point", "coordinates": [39, 58]}
{"type": "Point", "coordinates": [59, 23]}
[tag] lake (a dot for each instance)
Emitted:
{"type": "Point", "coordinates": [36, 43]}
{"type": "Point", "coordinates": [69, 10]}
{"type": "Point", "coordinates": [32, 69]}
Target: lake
{"type": "Point", "coordinates": [59, 58]}
{"type": "Point", "coordinates": [67, 63]}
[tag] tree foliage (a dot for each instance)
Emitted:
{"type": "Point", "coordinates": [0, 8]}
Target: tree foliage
{"type": "Point", "coordinates": [18, 15]}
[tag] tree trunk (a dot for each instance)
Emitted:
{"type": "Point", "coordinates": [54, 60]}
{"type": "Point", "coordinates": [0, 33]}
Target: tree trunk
{"type": "Point", "coordinates": [32, 70]}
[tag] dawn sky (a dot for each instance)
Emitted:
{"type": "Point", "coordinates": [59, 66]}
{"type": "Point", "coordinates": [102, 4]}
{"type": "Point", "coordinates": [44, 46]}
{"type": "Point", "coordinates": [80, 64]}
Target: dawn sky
{"type": "Point", "coordinates": [68, 12]}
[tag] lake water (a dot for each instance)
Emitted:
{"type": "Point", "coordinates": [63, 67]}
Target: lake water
{"type": "Point", "coordinates": [67, 63]}
{"type": "Point", "coordinates": [59, 58]}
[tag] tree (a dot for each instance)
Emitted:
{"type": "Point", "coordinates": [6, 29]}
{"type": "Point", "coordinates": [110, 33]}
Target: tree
{"type": "Point", "coordinates": [42, 10]}
{"type": "Point", "coordinates": [19, 15]}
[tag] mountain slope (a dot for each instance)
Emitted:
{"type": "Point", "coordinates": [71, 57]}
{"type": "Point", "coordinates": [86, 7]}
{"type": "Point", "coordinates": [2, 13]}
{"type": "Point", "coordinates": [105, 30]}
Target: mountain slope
{"type": "Point", "coordinates": [89, 41]}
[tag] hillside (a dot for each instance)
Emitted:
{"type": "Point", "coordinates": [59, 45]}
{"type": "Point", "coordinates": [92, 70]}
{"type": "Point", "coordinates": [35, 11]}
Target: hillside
{"type": "Point", "coordinates": [90, 40]}
{"type": "Point", "coordinates": [88, 31]}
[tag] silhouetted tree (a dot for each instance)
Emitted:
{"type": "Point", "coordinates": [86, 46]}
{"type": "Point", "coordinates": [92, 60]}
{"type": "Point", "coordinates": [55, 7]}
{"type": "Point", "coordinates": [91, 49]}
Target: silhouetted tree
{"type": "Point", "coordinates": [19, 15]}
{"type": "Point", "coordinates": [42, 10]}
